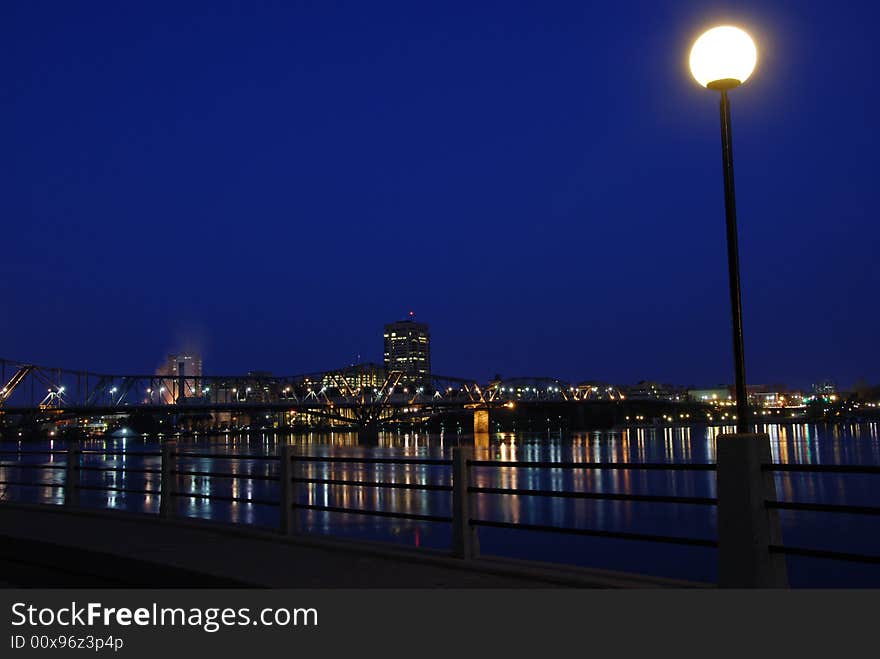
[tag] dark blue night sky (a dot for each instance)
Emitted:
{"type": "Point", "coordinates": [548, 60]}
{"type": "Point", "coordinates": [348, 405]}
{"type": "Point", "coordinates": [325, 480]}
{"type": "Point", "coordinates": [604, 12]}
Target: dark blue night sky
{"type": "Point", "coordinates": [270, 182]}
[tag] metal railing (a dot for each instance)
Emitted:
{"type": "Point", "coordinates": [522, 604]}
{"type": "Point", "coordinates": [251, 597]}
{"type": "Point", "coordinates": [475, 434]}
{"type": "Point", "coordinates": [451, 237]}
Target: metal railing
{"type": "Point", "coordinates": [600, 496]}
{"type": "Point", "coordinates": [773, 504]}
{"type": "Point", "coordinates": [293, 481]}
{"type": "Point", "coordinates": [18, 465]}
{"type": "Point", "coordinates": [751, 552]}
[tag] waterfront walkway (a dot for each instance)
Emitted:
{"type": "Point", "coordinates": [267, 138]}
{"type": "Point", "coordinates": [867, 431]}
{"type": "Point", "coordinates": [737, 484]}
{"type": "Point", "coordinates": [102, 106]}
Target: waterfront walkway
{"type": "Point", "coordinates": [41, 546]}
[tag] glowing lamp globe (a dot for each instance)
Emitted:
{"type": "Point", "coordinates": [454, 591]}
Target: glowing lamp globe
{"type": "Point", "coordinates": [723, 58]}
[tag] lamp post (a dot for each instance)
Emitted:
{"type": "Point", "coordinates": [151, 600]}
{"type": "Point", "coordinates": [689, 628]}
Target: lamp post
{"type": "Point", "coordinates": [722, 59]}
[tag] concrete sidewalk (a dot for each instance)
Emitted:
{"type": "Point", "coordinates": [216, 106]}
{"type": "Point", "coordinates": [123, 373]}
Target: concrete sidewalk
{"type": "Point", "coordinates": [46, 546]}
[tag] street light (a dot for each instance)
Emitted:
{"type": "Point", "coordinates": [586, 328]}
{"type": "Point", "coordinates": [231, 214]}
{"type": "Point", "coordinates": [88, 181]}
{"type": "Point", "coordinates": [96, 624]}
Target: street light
{"type": "Point", "coordinates": [722, 59]}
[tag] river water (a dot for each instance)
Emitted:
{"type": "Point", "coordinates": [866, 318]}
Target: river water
{"type": "Point", "coordinates": [790, 444]}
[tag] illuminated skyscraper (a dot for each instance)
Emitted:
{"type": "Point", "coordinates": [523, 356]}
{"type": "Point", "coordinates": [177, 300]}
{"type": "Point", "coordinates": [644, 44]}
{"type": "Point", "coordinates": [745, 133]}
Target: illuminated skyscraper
{"type": "Point", "coordinates": [191, 365]}
{"type": "Point", "coordinates": [408, 349]}
{"type": "Point", "coordinates": [187, 365]}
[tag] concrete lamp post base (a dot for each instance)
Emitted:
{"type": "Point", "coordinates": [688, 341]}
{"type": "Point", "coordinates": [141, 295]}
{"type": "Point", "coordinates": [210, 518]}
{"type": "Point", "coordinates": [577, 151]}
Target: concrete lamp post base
{"type": "Point", "coordinates": [746, 527]}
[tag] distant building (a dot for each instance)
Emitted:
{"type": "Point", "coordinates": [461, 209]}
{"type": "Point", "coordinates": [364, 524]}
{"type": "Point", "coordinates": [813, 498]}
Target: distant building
{"type": "Point", "coordinates": [185, 364]}
{"type": "Point", "coordinates": [772, 395]}
{"type": "Point", "coordinates": [646, 390]}
{"type": "Point", "coordinates": [825, 388]}
{"type": "Point", "coordinates": [408, 349]}
{"type": "Point", "coordinates": [824, 391]}
{"type": "Point", "coordinates": [711, 395]}
{"type": "Point", "coordinates": [777, 399]}
{"type": "Point", "coordinates": [188, 365]}
{"type": "Point", "coordinates": [355, 377]}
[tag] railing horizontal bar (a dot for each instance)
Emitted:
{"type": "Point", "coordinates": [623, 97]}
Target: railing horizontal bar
{"type": "Point", "coordinates": [227, 456]}
{"type": "Point", "coordinates": [20, 465]}
{"type": "Point", "coordinates": [32, 452]}
{"type": "Point", "coordinates": [594, 465]}
{"type": "Point", "coordinates": [375, 513]}
{"type": "Point", "coordinates": [824, 553]}
{"type": "Point", "coordinates": [377, 484]}
{"type": "Point", "coordinates": [390, 461]}
{"type": "Point", "coordinates": [224, 474]}
{"type": "Point", "coordinates": [29, 484]}
{"type": "Point", "coordinates": [823, 507]}
{"type": "Point", "coordinates": [108, 488]}
{"type": "Point", "coordinates": [147, 454]}
{"type": "Point", "coordinates": [699, 501]}
{"type": "Point", "coordinates": [132, 470]}
{"type": "Point", "coordinates": [617, 535]}
{"type": "Point", "coordinates": [830, 469]}
{"type": "Point", "coordinates": [218, 497]}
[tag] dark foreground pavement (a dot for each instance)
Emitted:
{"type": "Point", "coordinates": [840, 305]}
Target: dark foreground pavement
{"type": "Point", "coordinates": [42, 546]}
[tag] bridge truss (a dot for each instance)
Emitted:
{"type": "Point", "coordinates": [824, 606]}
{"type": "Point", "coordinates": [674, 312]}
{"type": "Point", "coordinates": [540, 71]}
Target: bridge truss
{"type": "Point", "coordinates": [347, 396]}
{"type": "Point", "coordinates": [353, 396]}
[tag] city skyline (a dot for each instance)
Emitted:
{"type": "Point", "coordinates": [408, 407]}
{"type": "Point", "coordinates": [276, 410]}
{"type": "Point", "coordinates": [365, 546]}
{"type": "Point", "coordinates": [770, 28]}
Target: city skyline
{"type": "Point", "coordinates": [410, 353]}
{"type": "Point", "coordinates": [168, 192]}
{"type": "Point", "coordinates": [394, 355]}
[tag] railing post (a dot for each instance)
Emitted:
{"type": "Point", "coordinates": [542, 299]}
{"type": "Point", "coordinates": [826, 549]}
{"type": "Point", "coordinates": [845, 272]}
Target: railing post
{"type": "Point", "coordinates": [166, 499]}
{"type": "Point", "coordinates": [71, 476]}
{"type": "Point", "coordinates": [290, 519]}
{"type": "Point", "coordinates": [465, 541]}
{"type": "Point", "coordinates": [746, 527]}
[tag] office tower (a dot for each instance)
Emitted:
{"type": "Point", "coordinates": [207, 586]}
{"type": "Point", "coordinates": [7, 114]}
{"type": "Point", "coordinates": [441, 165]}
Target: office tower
{"type": "Point", "coordinates": [408, 349]}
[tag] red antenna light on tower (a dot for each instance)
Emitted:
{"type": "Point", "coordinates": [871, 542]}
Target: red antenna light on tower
{"type": "Point", "coordinates": [412, 314]}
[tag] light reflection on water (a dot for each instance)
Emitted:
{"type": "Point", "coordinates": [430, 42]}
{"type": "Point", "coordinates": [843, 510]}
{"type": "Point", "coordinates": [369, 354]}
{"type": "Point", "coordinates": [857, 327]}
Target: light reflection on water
{"type": "Point", "coordinates": [801, 443]}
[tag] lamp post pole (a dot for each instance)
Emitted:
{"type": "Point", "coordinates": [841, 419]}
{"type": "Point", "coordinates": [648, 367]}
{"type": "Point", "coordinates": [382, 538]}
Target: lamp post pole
{"type": "Point", "coordinates": [742, 401]}
{"type": "Point", "coordinates": [721, 59]}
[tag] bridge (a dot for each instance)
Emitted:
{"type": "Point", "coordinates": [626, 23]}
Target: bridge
{"type": "Point", "coordinates": [362, 397]}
